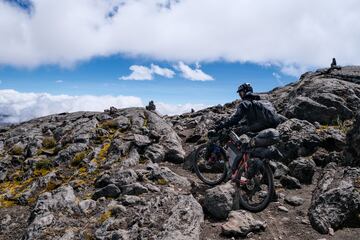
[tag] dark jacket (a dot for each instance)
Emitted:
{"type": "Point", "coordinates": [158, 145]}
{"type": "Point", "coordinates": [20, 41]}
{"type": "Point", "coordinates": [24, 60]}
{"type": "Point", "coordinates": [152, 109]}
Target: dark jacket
{"type": "Point", "coordinates": [253, 115]}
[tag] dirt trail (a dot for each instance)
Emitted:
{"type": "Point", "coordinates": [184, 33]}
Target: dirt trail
{"type": "Point", "coordinates": [293, 224]}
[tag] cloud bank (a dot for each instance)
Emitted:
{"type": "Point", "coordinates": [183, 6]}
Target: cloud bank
{"type": "Point", "coordinates": [290, 34]}
{"type": "Point", "coordinates": [18, 107]}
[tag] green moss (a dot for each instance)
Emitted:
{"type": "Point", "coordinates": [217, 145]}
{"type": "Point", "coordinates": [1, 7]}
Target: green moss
{"type": "Point", "coordinates": [49, 142]}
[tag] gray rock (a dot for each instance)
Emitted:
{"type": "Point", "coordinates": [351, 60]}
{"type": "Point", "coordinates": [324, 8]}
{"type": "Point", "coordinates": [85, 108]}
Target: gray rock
{"type": "Point", "coordinates": [42, 216]}
{"type": "Point", "coordinates": [283, 209]}
{"type": "Point", "coordinates": [290, 182]}
{"type": "Point", "coordinates": [121, 122]}
{"type": "Point", "coordinates": [132, 159]}
{"type": "Point", "coordinates": [69, 235]}
{"type": "Point", "coordinates": [303, 169]}
{"type": "Point", "coordinates": [125, 177]}
{"type": "Point", "coordinates": [241, 223]}
{"type": "Point", "coordinates": [163, 175]}
{"type": "Point", "coordinates": [335, 199]}
{"type": "Point", "coordinates": [103, 181]}
{"type": "Point", "coordinates": [155, 153]}
{"type": "Point", "coordinates": [279, 169]}
{"type": "Point", "coordinates": [219, 201]}
{"type": "Point", "coordinates": [3, 172]}
{"type": "Point", "coordinates": [134, 189]}
{"type": "Point", "coordinates": [68, 153]}
{"type": "Point", "coordinates": [130, 200]}
{"type": "Point", "coordinates": [305, 108]}
{"type": "Point", "coordinates": [111, 191]}
{"type": "Point", "coordinates": [294, 200]}
{"type": "Point", "coordinates": [185, 220]}
{"type": "Point", "coordinates": [353, 144]}
{"type": "Point", "coordinates": [87, 206]}
{"type": "Point", "coordinates": [297, 138]}
{"type": "Point", "coordinates": [141, 140]}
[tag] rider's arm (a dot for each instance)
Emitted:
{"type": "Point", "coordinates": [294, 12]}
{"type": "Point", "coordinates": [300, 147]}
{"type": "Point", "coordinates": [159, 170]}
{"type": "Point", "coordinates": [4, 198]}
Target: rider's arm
{"type": "Point", "coordinates": [237, 116]}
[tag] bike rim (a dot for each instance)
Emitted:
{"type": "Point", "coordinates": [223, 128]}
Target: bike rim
{"type": "Point", "coordinates": [210, 169]}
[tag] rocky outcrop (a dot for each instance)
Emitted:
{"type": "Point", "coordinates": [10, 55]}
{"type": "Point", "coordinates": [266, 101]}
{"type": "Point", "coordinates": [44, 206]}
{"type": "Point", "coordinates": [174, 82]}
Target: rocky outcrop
{"type": "Point", "coordinates": [336, 198]}
{"type": "Point", "coordinates": [323, 96]}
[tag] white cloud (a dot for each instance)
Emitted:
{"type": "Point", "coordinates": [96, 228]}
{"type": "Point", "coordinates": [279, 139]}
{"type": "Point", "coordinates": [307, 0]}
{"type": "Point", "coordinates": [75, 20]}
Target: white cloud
{"type": "Point", "coordinates": [145, 73]}
{"type": "Point", "coordinates": [17, 107]}
{"type": "Point", "coordinates": [165, 72]}
{"type": "Point", "coordinates": [281, 32]}
{"type": "Point", "coordinates": [138, 73]}
{"type": "Point", "coordinates": [193, 74]}
{"type": "Point", "coordinates": [59, 81]}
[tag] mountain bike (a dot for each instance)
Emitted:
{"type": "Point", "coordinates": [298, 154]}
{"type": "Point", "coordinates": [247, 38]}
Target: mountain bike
{"type": "Point", "coordinates": [253, 178]}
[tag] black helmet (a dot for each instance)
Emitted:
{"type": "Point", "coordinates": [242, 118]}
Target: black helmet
{"type": "Point", "coordinates": [245, 87]}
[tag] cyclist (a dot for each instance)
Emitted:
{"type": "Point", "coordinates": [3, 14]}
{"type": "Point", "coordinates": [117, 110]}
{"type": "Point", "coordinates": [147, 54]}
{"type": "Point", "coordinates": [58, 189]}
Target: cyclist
{"type": "Point", "coordinates": [252, 115]}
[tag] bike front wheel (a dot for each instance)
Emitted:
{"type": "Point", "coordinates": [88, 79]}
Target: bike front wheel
{"type": "Point", "coordinates": [210, 168]}
{"type": "Point", "coordinates": [256, 193]}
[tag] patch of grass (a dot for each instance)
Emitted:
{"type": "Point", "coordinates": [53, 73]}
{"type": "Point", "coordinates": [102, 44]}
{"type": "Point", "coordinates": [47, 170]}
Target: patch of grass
{"type": "Point", "coordinates": [40, 172]}
{"type": "Point", "coordinates": [343, 126]}
{"type": "Point", "coordinates": [78, 158]}
{"type": "Point", "coordinates": [15, 189]}
{"type": "Point", "coordinates": [49, 142]}
{"type": "Point", "coordinates": [109, 124]}
{"type": "Point", "coordinates": [43, 164]}
{"type": "Point", "coordinates": [17, 150]}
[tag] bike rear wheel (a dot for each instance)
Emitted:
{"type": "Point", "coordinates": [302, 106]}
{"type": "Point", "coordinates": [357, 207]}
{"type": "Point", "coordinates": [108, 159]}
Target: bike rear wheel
{"type": "Point", "coordinates": [256, 193]}
{"type": "Point", "coordinates": [211, 171]}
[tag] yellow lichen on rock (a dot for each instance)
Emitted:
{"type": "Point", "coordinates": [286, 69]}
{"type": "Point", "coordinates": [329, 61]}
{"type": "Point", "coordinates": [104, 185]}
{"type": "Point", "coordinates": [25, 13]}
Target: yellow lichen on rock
{"type": "Point", "coordinates": [103, 152]}
{"type": "Point", "coordinates": [106, 215]}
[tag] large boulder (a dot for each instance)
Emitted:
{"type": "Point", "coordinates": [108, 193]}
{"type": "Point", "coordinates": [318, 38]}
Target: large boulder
{"type": "Point", "coordinates": [185, 220]}
{"type": "Point", "coordinates": [219, 201]}
{"type": "Point", "coordinates": [307, 109]}
{"type": "Point", "coordinates": [297, 138]}
{"type": "Point", "coordinates": [303, 169]}
{"type": "Point", "coordinates": [241, 223]}
{"type": "Point", "coordinates": [336, 198]}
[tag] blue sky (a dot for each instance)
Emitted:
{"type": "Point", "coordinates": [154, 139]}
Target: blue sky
{"type": "Point", "coordinates": [100, 76]}
{"type": "Point", "coordinates": [67, 55]}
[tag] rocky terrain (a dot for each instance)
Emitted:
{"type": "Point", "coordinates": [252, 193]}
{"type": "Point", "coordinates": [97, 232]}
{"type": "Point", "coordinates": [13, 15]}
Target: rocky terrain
{"type": "Point", "coordinates": [126, 173]}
